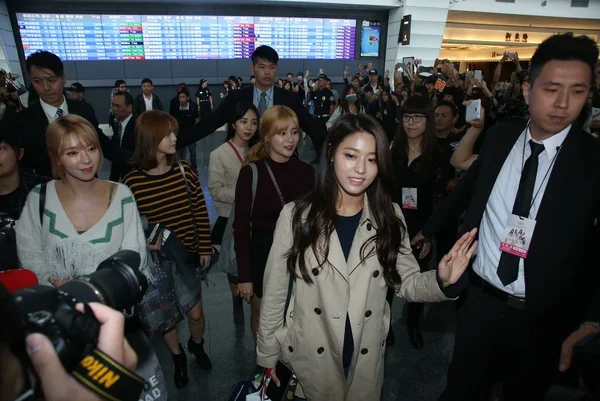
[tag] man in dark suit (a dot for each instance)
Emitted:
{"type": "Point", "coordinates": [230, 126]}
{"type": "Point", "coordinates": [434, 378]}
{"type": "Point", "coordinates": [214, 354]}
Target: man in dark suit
{"type": "Point", "coordinates": [48, 79]}
{"type": "Point", "coordinates": [186, 115]}
{"type": "Point", "coordinates": [263, 94]}
{"type": "Point", "coordinates": [123, 132]}
{"type": "Point", "coordinates": [532, 296]}
{"type": "Point", "coordinates": [147, 100]}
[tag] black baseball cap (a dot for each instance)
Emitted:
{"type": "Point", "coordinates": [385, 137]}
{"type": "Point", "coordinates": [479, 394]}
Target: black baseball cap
{"type": "Point", "coordinates": [202, 81]}
{"type": "Point", "coordinates": [76, 87]}
{"type": "Point", "coordinates": [322, 77]}
{"type": "Point", "coordinates": [373, 71]}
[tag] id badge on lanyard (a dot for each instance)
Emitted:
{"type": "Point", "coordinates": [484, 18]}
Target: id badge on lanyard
{"type": "Point", "coordinates": [517, 236]}
{"type": "Point", "coordinates": [409, 198]}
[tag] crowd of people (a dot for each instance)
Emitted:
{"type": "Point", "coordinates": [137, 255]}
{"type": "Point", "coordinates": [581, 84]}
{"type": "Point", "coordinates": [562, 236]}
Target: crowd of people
{"type": "Point", "coordinates": [405, 191]}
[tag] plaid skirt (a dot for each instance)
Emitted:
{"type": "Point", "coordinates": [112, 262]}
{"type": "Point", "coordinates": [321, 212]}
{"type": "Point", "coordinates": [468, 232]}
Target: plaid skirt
{"type": "Point", "coordinates": [175, 290]}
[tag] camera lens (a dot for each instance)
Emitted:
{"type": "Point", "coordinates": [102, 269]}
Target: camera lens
{"type": "Point", "coordinates": [117, 282]}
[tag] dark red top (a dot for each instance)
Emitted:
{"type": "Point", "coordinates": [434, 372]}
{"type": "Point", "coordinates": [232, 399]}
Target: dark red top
{"type": "Point", "coordinates": [294, 177]}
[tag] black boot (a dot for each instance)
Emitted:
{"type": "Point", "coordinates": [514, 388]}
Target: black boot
{"type": "Point", "coordinates": [238, 310]}
{"type": "Point", "coordinates": [181, 374]}
{"type": "Point", "coordinates": [390, 338]}
{"type": "Point", "coordinates": [412, 324]}
{"type": "Point", "coordinates": [415, 335]}
{"type": "Point", "coordinates": [198, 350]}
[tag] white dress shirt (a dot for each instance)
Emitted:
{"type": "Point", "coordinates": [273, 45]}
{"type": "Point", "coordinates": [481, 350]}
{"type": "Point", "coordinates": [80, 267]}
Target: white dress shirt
{"type": "Point", "coordinates": [148, 102]}
{"type": "Point", "coordinates": [123, 126]}
{"type": "Point", "coordinates": [500, 204]}
{"type": "Point", "coordinates": [50, 110]}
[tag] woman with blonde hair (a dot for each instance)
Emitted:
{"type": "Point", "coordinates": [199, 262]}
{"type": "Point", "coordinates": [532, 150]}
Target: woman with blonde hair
{"type": "Point", "coordinates": [173, 198]}
{"type": "Point", "coordinates": [281, 178]}
{"type": "Point", "coordinates": [71, 224]}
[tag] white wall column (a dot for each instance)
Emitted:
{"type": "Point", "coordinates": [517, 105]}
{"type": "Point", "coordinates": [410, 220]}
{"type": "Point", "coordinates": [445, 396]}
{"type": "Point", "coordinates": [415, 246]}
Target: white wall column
{"type": "Point", "coordinates": [427, 30]}
{"type": "Point", "coordinates": [9, 60]}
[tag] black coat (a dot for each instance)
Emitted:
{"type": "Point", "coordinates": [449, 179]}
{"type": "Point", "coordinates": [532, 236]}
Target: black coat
{"type": "Point", "coordinates": [226, 109]}
{"type": "Point", "coordinates": [119, 170]}
{"type": "Point", "coordinates": [562, 267]}
{"type": "Point", "coordinates": [139, 105]}
{"type": "Point", "coordinates": [32, 123]}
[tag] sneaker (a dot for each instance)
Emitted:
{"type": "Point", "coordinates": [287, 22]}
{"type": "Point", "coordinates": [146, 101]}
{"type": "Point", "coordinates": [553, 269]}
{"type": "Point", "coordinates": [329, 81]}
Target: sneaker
{"type": "Point", "coordinates": [202, 358]}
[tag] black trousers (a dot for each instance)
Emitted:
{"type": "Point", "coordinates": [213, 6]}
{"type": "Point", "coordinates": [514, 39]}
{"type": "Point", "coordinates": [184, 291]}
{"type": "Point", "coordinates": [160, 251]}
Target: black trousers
{"type": "Point", "coordinates": [495, 343]}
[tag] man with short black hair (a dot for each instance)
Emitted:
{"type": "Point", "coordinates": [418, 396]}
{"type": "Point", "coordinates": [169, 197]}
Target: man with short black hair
{"type": "Point", "coordinates": [123, 127]}
{"type": "Point", "coordinates": [48, 80]}
{"type": "Point", "coordinates": [187, 115]}
{"type": "Point", "coordinates": [119, 86]}
{"type": "Point", "coordinates": [263, 94]}
{"type": "Point", "coordinates": [174, 103]}
{"type": "Point", "coordinates": [534, 194]}
{"type": "Point", "coordinates": [147, 100]}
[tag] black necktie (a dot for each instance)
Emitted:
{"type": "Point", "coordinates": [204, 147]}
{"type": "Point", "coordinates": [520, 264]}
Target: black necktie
{"type": "Point", "coordinates": [119, 133]}
{"type": "Point", "coordinates": [508, 268]}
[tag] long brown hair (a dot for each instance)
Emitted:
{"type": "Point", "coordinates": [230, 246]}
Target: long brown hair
{"type": "Point", "coordinates": [417, 104]}
{"type": "Point", "coordinates": [150, 129]}
{"type": "Point", "coordinates": [314, 215]}
{"type": "Point", "coordinates": [276, 119]}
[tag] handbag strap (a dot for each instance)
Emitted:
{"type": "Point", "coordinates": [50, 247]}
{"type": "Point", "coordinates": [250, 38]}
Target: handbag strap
{"type": "Point", "coordinates": [42, 204]}
{"type": "Point", "coordinates": [254, 184]}
{"type": "Point", "coordinates": [189, 193]}
{"type": "Point", "coordinates": [237, 153]}
{"type": "Point", "coordinates": [275, 182]}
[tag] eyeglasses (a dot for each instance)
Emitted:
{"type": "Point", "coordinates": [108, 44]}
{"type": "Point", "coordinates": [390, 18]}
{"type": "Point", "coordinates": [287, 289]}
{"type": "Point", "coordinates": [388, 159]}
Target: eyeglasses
{"type": "Point", "coordinates": [417, 118]}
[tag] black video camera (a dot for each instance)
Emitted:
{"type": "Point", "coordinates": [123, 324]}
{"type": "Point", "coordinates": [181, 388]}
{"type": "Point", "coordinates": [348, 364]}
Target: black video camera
{"type": "Point", "coordinates": [117, 283]}
{"type": "Point", "coordinates": [8, 243]}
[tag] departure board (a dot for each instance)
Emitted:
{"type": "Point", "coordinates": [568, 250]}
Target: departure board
{"type": "Point", "coordinates": [41, 31]}
{"type": "Point", "coordinates": [123, 38]}
{"type": "Point", "coordinates": [80, 37]}
{"type": "Point", "coordinates": [199, 37]}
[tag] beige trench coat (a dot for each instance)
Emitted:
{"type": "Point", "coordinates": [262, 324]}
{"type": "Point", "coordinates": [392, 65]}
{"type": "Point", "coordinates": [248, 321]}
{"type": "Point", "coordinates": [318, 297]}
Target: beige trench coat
{"type": "Point", "coordinates": [311, 342]}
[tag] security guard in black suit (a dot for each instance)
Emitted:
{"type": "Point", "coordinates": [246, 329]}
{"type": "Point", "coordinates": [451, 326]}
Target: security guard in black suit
{"type": "Point", "coordinates": [323, 99]}
{"type": "Point", "coordinates": [204, 99]}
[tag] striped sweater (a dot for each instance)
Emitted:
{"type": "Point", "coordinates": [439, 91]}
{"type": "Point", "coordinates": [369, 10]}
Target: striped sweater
{"type": "Point", "coordinates": [164, 199]}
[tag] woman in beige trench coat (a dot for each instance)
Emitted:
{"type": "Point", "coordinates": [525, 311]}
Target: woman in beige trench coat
{"type": "Point", "coordinates": [346, 243]}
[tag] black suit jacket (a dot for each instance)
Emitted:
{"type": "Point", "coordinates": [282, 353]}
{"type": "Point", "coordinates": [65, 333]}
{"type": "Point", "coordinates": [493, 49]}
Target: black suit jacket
{"type": "Point", "coordinates": [139, 105]}
{"type": "Point", "coordinates": [119, 169]}
{"type": "Point", "coordinates": [226, 109]}
{"type": "Point", "coordinates": [32, 124]}
{"type": "Point", "coordinates": [563, 264]}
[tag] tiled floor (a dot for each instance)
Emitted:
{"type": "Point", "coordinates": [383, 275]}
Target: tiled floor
{"type": "Point", "coordinates": [410, 375]}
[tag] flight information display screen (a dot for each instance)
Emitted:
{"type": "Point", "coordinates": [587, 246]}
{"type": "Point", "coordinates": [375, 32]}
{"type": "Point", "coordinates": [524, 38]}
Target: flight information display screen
{"type": "Point", "coordinates": [79, 37]}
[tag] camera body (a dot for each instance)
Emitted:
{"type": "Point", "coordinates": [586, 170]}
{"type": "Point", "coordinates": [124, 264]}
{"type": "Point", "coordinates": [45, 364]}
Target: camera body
{"type": "Point", "coordinates": [51, 311]}
{"type": "Point", "coordinates": [8, 243]}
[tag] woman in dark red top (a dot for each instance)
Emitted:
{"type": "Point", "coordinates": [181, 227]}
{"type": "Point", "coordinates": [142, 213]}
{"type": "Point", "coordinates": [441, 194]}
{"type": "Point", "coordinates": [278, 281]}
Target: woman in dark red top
{"type": "Point", "coordinates": [253, 229]}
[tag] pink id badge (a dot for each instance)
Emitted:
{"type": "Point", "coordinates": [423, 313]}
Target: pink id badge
{"type": "Point", "coordinates": [409, 198]}
{"type": "Point", "coordinates": [517, 236]}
